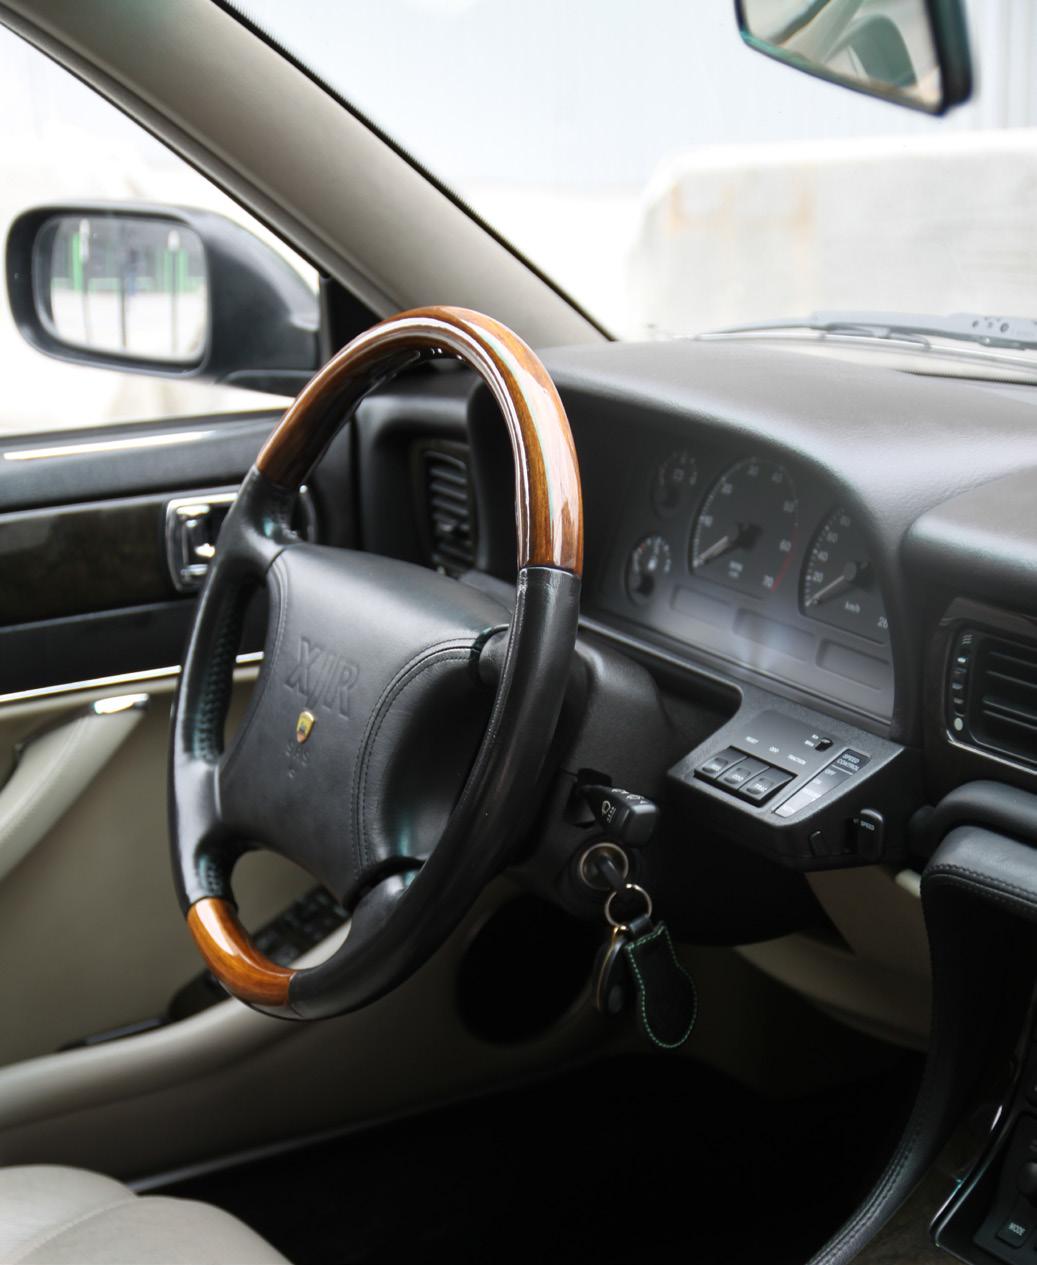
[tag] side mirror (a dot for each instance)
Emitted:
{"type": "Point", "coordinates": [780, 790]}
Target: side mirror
{"type": "Point", "coordinates": [910, 52]}
{"type": "Point", "coordinates": [161, 290]}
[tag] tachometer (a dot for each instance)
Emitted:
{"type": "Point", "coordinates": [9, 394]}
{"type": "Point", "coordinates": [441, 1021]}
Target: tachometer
{"type": "Point", "coordinates": [745, 532]}
{"type": "Point", "coordinates": [648, 562]}
{"type": "Point", "coordinates": [839, 585]}
{"type": "Point", "coordinates": [673, 482]}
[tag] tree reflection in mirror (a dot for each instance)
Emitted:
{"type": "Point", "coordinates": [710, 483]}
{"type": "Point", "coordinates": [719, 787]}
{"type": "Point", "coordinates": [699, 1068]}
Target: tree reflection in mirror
{"type": "Point", "coordinates": [127, 285]}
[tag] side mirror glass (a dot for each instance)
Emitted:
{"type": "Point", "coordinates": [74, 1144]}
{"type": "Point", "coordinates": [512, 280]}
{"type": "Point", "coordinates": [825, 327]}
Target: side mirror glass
{"type": "Point", "coordinates": [162, 290]}
{"type": "Point", "coordinates": [134, 287]}
{"type": "Point", "coordinates": [911, 52]}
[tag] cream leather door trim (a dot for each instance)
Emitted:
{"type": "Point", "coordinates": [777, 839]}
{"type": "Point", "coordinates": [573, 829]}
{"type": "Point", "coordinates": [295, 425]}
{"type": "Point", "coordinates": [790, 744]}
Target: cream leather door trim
{"type": "Point", "coordinates": [55, 766]}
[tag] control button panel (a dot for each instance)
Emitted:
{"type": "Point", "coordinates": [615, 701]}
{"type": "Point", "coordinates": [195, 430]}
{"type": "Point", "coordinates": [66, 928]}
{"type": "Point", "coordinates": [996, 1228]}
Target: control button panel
{"type": "Point", "coordinates": [803, 789]}
{"type": "Point", "coordinates": [775, 751]}
{"type": "Point", "coordinates": [743, 775]}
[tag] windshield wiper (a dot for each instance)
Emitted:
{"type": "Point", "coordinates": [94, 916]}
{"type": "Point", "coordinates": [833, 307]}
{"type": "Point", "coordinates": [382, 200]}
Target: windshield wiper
{"type": "Point", "coordinates": [1016, 332]}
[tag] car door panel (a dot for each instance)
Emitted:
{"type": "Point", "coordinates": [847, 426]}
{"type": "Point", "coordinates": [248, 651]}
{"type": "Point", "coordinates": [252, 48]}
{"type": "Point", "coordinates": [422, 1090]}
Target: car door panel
{"type": "Point", "coordinates": [88, 913]}
{"type": "Point", "coordinates": [86, 904]}
{"type": "Point", "coordinates": [85, 584]}
{"type": "Point", "coordinates": [52, 767]}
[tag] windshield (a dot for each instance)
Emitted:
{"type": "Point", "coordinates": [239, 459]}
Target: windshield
{"type": "Point", "coordinates": [673, 181]}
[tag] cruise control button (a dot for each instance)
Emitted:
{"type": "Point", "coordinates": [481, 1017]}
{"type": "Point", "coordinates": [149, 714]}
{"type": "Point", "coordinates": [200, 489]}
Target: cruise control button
{"type": "Point", "coordinates": [828, 779]}
{"type": "Point", "coordinates": [737, 776]}
{"type": "Point", "coordinates": [802, 799]}
{"type": "Point", "coordinates": [763, 786]}
{"type": "Point", "coordinates": [823, 782]}
{"type": "Point", "coordinates": [851, 761]}
{"type": "Point", "coordinates": [719, 763]}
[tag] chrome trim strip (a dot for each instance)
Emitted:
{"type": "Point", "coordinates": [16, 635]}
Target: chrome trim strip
{"type": "Point", "coordinates": [166, 438]}
{"type": "Point", "coordinates": [113, 705]}
{"type": "Point", "coordinates": [118, 703]}
{"type": "Point", "coordinates": [112, 682]}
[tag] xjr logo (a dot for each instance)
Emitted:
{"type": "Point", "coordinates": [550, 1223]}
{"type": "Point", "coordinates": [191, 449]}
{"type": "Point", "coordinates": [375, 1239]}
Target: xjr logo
{"type": "Point", "coordinates": [322, 677]}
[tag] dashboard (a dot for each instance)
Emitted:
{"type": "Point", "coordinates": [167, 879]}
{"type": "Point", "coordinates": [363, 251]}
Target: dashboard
{"type": "Point", "coordinates": [806, 626]}
{"type": "Point", "coordinates": [783, 526]}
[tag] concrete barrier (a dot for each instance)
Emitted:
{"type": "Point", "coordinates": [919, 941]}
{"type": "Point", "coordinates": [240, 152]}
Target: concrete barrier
{"type": "Point", "coordinates": [942, 224]}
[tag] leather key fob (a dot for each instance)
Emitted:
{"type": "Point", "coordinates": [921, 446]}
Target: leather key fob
{"type": "Point", "coordinates": [667, 1002]}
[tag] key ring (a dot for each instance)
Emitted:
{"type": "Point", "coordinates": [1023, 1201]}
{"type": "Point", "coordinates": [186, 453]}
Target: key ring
{"type": "Point", "coordinates": [630, 888]}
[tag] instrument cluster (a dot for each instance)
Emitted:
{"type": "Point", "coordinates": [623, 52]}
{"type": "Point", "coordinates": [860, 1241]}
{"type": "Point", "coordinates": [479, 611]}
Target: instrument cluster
{"type": "Point", "coordinates": [744, 536]}
{"type": "Point", "coordinates": [755, 562]}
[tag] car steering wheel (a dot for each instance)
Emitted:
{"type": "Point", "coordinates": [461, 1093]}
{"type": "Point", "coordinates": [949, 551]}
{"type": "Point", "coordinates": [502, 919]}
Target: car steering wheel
{"type": "Point", "coordinates": [385, 749]}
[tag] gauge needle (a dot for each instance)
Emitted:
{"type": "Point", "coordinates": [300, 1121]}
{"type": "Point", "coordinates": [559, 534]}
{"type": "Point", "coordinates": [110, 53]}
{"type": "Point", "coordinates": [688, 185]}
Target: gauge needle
{"type": "Point", "coordinates": [848, 577]}
{"type": "Point", "coordinates": [720, 546]}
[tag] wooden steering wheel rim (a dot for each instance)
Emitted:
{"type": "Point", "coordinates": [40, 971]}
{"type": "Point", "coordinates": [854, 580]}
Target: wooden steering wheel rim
{"type": "Point", "coordinates": [548, 513]}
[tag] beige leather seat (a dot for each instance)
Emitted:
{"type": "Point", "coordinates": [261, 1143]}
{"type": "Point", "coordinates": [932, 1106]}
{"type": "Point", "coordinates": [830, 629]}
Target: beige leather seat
{"type": "Point", "coordinates": [67, 1216]}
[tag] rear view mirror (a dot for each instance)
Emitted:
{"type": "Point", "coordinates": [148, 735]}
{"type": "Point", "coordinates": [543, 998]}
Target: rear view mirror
{"type": "Point", "coordinates": [161, 290]}
{"type": "Point", "coordinates": [133, 287]}
{"type": "Point", "coordinates": [910, 52]}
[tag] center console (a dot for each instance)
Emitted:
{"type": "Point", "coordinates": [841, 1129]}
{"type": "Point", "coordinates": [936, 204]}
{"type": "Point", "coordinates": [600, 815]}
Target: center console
{"type": "Point", "coordinates": [979, 893]}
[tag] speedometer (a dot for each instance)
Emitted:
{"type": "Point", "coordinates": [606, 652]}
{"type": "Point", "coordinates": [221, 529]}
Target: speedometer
{"type": "Point", "coordinates": [745, 532]}
{"type": "Point", "coordinates": [839, 585]}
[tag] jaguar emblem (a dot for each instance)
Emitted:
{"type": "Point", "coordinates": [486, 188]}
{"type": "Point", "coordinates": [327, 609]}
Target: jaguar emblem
{"type": "Point", "coordinates": [304, 726]}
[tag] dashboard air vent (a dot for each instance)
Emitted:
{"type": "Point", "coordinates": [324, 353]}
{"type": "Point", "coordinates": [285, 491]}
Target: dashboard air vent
{"type": "Point", "coordinates": [998, 679]}
{"type": "Point", "coordinates": [449, 511]}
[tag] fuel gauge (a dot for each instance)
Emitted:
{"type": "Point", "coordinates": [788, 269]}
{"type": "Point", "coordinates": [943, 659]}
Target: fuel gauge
{"type": "Point", "coordinates": [648, 562]}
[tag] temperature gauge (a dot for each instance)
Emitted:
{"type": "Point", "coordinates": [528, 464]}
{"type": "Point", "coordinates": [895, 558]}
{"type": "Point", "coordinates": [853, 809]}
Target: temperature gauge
{"type": "Point", "coordinates": [649, 561]}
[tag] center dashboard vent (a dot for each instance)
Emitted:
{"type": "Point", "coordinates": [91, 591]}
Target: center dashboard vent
{"type": "Point", "coordinates": [993, 694]}
{"type": "Point", "coordinates": [448, 510]}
